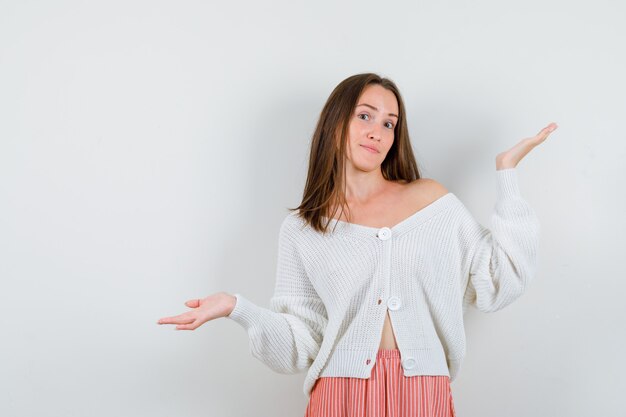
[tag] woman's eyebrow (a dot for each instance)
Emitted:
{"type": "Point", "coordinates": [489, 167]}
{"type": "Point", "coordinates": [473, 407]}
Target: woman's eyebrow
{"type": "Point", "coordinates": [374, 108]}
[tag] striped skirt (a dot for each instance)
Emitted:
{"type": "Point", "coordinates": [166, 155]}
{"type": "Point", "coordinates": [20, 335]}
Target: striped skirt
{"type": "Point", "coordinates": [387, 393]}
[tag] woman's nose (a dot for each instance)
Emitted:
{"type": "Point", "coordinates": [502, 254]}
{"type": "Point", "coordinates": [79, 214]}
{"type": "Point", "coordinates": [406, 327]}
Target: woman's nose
{"type": "Point", "coordinates": [375, 133]}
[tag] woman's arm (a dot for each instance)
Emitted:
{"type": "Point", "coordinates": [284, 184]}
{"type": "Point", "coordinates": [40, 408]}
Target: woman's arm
{"type": "Point", "coordinates": [288, 335]}
{"type": "Point", "coordinates": [503, 258]}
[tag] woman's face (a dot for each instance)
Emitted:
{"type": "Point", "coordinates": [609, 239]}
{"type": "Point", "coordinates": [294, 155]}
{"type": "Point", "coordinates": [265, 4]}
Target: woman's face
{"type": "Point", "coordinates": [371, 129]}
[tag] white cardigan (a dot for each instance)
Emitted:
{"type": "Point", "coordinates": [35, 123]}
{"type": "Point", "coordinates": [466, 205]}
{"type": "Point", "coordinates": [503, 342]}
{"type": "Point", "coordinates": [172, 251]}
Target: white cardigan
{"type": "Point", "coordinates": [332, 292]}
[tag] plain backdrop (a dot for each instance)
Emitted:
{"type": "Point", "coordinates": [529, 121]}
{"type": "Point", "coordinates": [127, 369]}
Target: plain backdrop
{"type": "Point", "coordinates": [150, 149]}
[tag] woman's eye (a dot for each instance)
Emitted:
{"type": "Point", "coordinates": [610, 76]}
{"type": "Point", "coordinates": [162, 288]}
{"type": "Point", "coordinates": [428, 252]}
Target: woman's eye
{"type": "Point", "coordinates": [391, 126]}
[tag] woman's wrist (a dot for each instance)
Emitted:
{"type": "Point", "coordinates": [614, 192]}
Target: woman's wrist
{"type": "Point", "coordinates": [231, 302]}
{"type": "Point", "coordinates": [503, 163]}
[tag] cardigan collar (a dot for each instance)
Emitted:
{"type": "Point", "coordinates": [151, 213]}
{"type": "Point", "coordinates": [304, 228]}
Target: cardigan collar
{"type": "Point", "coordinates": [415, 219]}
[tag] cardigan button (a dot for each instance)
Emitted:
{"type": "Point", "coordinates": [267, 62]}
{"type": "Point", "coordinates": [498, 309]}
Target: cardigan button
{"type": "Point", "coordinates": [384, 233]}
{"type": "Point", "coordinates": [408, 363]}
{"type": "Point", "coordinates": [394, 303]}
{"type": "Point", "coordinates": [368, 361]}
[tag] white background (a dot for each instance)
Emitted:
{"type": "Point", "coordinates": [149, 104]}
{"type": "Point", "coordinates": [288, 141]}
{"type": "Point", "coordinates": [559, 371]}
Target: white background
{"type": "Point", "coordinates": [149, 150]}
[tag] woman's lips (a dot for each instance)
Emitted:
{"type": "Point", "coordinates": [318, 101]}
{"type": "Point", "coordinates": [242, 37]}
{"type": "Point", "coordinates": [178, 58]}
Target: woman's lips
{"type": "Point", "coordinates": [370, 149]}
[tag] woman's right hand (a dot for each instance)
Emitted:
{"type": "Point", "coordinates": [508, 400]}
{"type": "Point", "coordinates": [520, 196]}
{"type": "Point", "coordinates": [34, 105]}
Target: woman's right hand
{"type": "Point", "coordinates": [212, 307]}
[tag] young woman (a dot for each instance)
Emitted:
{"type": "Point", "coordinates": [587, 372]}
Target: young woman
{"type": "Point", "coordinates": [373, 308]}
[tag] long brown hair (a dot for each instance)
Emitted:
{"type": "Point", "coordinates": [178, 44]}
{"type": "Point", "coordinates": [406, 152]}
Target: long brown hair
{"type": "Point", "coordinates": [325, 183]}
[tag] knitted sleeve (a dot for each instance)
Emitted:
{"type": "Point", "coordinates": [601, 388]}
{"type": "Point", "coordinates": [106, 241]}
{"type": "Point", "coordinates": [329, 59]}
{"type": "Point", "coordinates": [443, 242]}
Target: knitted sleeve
{"type": "Point", "coordinates": [288, 335]}
{"type": "Point", "coordinates": [504, 259]}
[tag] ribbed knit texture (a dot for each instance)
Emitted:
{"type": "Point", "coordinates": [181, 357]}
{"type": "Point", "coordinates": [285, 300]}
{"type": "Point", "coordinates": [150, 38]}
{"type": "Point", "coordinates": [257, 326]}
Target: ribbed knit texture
{"type": "Point", "coordinates": [325, 314]}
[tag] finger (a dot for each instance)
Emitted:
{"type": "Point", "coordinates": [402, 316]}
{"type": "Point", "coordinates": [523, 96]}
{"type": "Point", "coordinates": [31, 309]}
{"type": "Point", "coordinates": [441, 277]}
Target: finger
{"type": "Point", "coordinates": [192, 303]}
{"type": "Point", "coordinates": [541, 136]}
{"type": "Point", "coordinates": [548, 129]}
{"type": "Point", "coordinates": [180, 319]}
{"type": "Point", "coordinates": [190, 326]}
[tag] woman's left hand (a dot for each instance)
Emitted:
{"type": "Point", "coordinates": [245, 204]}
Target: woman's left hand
{"type": "Point", "coordinates": [510, 158]}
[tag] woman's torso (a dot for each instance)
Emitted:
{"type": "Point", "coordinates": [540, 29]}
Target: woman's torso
{"type": "Point", "coordinates": [397, 202]}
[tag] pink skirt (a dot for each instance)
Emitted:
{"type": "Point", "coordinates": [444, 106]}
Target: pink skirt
{"type": "Point", "coordinates": [387, 393]}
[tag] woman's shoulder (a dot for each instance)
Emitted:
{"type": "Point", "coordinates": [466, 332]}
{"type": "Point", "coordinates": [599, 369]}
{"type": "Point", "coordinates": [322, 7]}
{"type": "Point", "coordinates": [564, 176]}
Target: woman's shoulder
{"type": "Point", "coordinates": [426, 189]}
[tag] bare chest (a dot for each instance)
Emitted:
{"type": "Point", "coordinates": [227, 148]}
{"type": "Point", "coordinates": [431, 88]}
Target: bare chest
{"type": "Point", "coordinates": [393, 207]}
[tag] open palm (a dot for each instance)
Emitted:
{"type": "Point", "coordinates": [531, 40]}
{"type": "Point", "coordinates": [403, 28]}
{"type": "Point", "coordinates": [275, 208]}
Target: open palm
{"type": "Point", "coordinates": [204, 309]}
{"type": "Point", "coordinates": [511, 157]}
